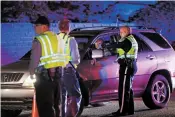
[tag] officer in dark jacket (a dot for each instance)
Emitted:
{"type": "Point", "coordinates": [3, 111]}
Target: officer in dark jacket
{"type": "Point", "coordinates": [127, 49]}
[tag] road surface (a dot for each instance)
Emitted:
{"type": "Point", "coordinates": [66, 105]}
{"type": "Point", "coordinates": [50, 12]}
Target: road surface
{"type": "Point", "coordinates": [140, 110]}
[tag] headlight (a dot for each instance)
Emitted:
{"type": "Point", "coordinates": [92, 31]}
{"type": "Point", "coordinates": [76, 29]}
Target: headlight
{"type": "Point", "coordinates": [29, 82]}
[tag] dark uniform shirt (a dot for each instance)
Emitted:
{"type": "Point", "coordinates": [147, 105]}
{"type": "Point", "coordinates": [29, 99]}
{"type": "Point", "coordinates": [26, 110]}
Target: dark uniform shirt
{"type": "Point", "coordinates": [125, 45]}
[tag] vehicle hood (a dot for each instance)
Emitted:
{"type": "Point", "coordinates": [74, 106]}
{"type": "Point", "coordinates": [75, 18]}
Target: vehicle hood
{"type": "Point", "coordinates": [19, 66]}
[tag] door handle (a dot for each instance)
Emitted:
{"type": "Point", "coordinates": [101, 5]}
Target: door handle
{"type": "Point", "coordinates": [151, 57]}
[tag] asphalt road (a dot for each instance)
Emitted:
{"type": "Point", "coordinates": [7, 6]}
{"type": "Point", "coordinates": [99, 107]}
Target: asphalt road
{"type": "Point", "coordinates": [140, 110]}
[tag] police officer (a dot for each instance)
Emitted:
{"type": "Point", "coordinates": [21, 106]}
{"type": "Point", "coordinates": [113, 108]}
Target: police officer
{"type": "Point", "coordinates": [127, 49]}
{"type": "Point", "coordinates": [46, 62]}
{"type": "Point", "coordinates": [70, 84]}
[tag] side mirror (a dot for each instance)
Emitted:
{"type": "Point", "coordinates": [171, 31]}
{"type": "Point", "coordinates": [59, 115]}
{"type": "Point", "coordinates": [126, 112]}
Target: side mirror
{"type": "Point", "coordinates": [97, 53]}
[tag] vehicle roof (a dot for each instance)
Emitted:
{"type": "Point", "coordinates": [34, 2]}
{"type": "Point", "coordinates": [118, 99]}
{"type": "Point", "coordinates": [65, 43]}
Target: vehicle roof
{"type": "Point", "coordinates": [86, 32]}
{"type": "Point", "coordinates": [95, 31]}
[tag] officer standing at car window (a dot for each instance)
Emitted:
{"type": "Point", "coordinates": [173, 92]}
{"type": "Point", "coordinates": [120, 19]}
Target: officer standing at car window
{"type": "Point", "coordinates": [47, 59]}
{"type": "Point", "coordinates": [127, 49]}
{"type": "Point", "coordinates": [99, 45]}
{"type": "Point", "coordinates": [70, 84]}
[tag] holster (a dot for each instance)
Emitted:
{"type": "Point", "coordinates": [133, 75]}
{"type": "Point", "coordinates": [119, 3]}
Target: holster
{"type": "Point", "coordinates": [45, 74]}
{"type": "Point", "coordinates": [126, 61]}
{"type": "Point", "coordinates": [129, 62]}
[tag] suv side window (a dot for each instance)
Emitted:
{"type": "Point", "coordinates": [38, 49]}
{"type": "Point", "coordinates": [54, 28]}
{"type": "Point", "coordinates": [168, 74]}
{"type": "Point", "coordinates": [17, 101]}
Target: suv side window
{"type": "Point", "coordinates": [104, 39]}
{"type": "Point", "coordinates": [156, 38]}
{"type": "Point", "coordinates": [143, 47]}
{"type": "Point", "coordinates": [108, 39]}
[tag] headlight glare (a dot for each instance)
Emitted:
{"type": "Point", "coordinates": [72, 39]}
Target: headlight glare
{"type": "Point", "coordinates": [29, 82]}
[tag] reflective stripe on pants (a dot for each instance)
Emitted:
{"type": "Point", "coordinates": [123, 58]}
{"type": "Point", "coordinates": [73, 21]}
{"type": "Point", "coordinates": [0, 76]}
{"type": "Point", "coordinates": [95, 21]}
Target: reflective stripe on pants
{"type": "Point", "coordinates": [126, 102]}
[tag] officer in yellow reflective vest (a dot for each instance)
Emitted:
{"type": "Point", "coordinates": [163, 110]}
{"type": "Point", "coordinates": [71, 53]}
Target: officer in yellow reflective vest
{"type": "Point", "coordinates": [70, 84]}
{"type": "Point", "coordinates": [47, 60]}
{"type": "Point", "coordinates": [127, 49]}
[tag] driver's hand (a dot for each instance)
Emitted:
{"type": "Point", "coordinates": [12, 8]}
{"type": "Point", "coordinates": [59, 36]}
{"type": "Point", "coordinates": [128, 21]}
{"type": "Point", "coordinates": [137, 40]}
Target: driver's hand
{"type": "Point", "coordinates": [93, 62]}
{"type": "Point", "coordinates": [103, 45]}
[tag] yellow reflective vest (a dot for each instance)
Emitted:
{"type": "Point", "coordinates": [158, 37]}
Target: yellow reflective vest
{"type": "Point", "coordinates": [53, 55]}
{"type": "Point", "coordinates": [66, 43]}
{"type": "Point", "coordinates": [132, 53]}
{"type": "Point", "coordinates": [65, 38]}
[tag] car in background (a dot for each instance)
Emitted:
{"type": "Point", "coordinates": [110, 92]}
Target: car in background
{"type": "Point", "coordinates": [154, 80]}
{"type": "Point", "coordinates": [173, 45]}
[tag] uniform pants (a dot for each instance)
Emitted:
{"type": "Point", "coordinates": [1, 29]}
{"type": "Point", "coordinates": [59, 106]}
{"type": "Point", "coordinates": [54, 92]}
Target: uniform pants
{"type": "Point", "coordinates": [71, 89]}
{"type": "Point", "coordinates": [48, 97]}
{"type": "Point", "coordinates": [126, 74]}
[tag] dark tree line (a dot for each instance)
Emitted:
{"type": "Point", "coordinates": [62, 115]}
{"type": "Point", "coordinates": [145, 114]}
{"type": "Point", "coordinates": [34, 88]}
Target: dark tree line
{"type": "Point", "coordinates": [160, 16]}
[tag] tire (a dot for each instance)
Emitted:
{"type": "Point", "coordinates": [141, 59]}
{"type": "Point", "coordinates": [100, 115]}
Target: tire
{"type": "Point", "coordinates": [84, 92]}
{"type": "Point", "coordinates": [81, 108]}
{"type": "Point", "coordinates": [157, 93]}
{"type": "Point", "coordinates": [10, 113]}
{"type": "Point", "coordinates": [85, 97]}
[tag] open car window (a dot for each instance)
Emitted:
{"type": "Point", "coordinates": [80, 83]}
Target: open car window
{"type": "Point", "coordinates": [82, 42]}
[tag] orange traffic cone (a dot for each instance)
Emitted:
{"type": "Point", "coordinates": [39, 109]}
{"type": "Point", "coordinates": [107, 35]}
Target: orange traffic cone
{"type": "Point", "coordinates": [34, 107]}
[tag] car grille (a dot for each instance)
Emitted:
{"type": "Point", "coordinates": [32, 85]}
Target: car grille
{"type": "Point", "coordinates": [11, 77]}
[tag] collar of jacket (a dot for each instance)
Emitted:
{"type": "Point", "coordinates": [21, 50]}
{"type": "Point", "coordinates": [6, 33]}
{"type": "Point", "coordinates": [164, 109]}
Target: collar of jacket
{"type": "Point", "coordinates": [63, 35]}
{"type": "Point", "coordinates": [122, 39]}
{"type": "Point", "coordinates": [48, 33]}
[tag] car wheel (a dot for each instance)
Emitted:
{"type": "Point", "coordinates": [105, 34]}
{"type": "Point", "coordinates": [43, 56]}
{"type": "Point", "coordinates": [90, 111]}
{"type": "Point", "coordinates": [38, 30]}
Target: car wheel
{"type": "Point", "coordinates": [157, 93]}
{"type": "Point", "coordinates": [81, 108]}
{"type": "Point", "coordinates": [10, 113]}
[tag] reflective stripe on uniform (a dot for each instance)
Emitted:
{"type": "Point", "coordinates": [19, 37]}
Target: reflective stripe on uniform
{"type": "Point", "coordinates": [45, 49]}
{"type": "Point", "coordinates": [123, 93]}
{"type": "Point", "coordinates": [128, 56]}
{"type": "Point", "coordinates": [61, 44]}
{"type": "Point", "coordinates": [52, 61]}
{"type": "Point", "coordinates": [66, 43]}
{"type": "Point", "coordinates": [44, 57]}
{"type": "Point", "coordinates": [51, 58]}
{"type": "Point", "coordinates": [132, 53]}
{"type": "Point", "coordinates": [50, 47]}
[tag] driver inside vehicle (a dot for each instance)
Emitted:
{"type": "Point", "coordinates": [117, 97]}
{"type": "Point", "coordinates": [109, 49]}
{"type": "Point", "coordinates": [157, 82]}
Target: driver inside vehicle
{"type": "Point", "coordinates": [99, 45]}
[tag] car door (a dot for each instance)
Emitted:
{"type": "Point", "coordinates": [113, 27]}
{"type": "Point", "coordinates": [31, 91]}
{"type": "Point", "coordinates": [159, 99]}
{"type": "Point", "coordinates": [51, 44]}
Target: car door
{"type": "Point", "coordinates": [83, 68]}
{"type": "Point", "coordinates": [104, 73]}
{"type": "Point", "coordinates": [146, 62]}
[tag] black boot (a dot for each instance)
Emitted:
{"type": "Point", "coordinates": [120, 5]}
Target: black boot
{"type": "Point", "coordinates": [117, 113]}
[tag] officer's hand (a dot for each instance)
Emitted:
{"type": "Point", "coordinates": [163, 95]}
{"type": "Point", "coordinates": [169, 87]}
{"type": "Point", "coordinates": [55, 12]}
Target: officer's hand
{"type": "Point", "coordinates": [103, 45]}
{"type": "Point", "coordinates": [93, 62]}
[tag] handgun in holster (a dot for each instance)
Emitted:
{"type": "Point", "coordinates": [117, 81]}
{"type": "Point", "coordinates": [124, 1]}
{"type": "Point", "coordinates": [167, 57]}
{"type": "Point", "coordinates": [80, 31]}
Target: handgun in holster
{"type": "Point", "coordinates": [128, 61]}
{"type": "Point", "coordinates": [43, 74]}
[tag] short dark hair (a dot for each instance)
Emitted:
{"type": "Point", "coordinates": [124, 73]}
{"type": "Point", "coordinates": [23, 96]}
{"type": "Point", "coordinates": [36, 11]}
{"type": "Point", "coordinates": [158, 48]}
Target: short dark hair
{"type": "Point", "coordinates": [42, 20]}
{"type": "Point", "coordinates": [64, 24]}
